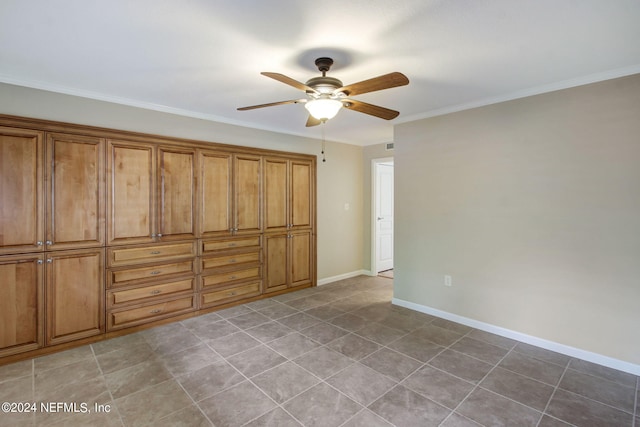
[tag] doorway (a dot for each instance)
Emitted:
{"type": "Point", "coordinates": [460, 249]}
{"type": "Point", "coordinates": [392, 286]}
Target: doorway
{"type": "Point", "coordinates": [382, 215]}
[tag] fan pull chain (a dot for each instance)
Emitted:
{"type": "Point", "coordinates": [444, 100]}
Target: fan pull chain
{"type": "Point", "coordinates": [323, 141]}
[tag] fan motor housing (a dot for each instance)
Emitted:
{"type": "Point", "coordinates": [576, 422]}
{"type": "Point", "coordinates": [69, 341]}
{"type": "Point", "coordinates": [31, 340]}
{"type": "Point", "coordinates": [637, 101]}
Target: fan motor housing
{"type": "Point", "coordinates": [324, 84]}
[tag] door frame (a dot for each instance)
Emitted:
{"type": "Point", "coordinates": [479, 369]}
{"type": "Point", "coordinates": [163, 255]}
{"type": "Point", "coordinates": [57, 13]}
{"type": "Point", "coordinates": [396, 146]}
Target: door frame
{"type": "Point", "coordinates": [374, 200]}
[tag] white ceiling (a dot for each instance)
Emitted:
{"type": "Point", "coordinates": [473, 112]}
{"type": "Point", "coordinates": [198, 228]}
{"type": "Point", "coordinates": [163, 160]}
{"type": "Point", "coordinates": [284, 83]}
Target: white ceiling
{"type": "Point", "coordinates": [202, 58]}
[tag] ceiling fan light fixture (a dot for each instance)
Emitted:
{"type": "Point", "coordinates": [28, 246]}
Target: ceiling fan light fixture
{"type": "Point", "coordinates": [323, 108]}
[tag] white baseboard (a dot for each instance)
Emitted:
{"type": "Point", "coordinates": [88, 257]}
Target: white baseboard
{"type": "Point", "coordinates": [539, 342]}
{"type": "Point", "coordinates": [349, 275]}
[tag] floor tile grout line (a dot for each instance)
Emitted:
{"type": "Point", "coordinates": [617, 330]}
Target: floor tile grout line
{"type": "Point", "coordinates": [476, 386]}
{"type": "Point", "coordinates": [555, 390]}
{"type": "Point", "coordinates": [102, 375]}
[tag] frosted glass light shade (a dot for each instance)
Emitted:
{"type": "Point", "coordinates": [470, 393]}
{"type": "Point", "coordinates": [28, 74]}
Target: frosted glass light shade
{"type": "Point", "coordinates": [323, 109]}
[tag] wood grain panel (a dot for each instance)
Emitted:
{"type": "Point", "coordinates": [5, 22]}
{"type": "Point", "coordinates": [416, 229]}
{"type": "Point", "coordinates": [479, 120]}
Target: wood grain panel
{"type": "Point", "coordinates": [155, 291]}
{"type": "Point", "coordinates": [21, 303]}
{"type": "Point", "coordinates": [215, 193]}
{"type": "Point", "coordinates": [276, 194]}
{"type": "Point", "coordinates": [75, 191]}
{"type": "Point", "coordinates": [21, 192]}
{"type": "Point", "coordinates": [301, 194]}
{"type": "Point", "coordinates": [148, 313]}
{"type": "Point", "coordinates": [248, 180]}
{"type": "Point", "coordinates": [75, 295]}
{"type": "Point", "coordinates": [176, 194]}
{"type": "Point", "coordinates": [130, 210]}
{"type": "Point", "coordinates": [300, 258]}
{"type": "Point", "coordinates": [276, 262]}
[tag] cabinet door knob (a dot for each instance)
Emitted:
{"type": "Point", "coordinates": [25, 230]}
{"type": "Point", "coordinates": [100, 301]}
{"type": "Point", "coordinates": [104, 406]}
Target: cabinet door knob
{"type": "Point", "coordinates": [39, 261]}
{"type": "Point", "coordinates": [153, 235]}
{"type": "Point", "coordinates": [48, 242]}
{"type": "Point", "coordinates": [156, 311]}
{"type": "Point", "coordinates": [39, 243]}
{"type": "Point", "coordinates": [49, 260]}
{"type": "Point", "coordinates": [159, 235]}
{"type": "Point", "coordinates": [155, 252]}
{"type": "Point", "coordinates": [155, 292]}
{"type": "Point", "coordinates": [156, 272]}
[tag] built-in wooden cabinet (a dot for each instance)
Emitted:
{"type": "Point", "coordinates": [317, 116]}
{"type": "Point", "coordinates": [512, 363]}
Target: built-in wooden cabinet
{"type": "Point", "coordinates": [151, 193]}
{"type": "Point", "coordinates": [289, 260]}
{"type": "Point", "coordinates": [104, 230]}
{"type": "Point", "coordinates": [289, 217]}
{"type": "Point", "coordinates": [66, 285]}
{"type": "Point", "coordinates": [288, 194]}
{"type": "Point", "coordinates": [74, 294]}
{"type": "Point", "coordinates": [21, 303]}
{"type": "Point", "coordinates": [229, 194]}
{"type": "Point", "coordinates": [230, 269]}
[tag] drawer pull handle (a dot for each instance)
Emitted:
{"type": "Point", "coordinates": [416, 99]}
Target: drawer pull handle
{"type": "Point", "coordinates": [232, 277]}
{"type": "Point", "coordinates": [232, 260]}
{"type": "Point", "coordinates": [156, 272]}
{"type": "Point", "coordinates": [232, 244]}
{"type": "Point", "coordinates": [155, 292]}
{"type": "Point", "coordinates": [156, 311]}
{"type": "Point", "coordinates": [155, 252]}
{"type": "Point", "coordinates": [231, 294]}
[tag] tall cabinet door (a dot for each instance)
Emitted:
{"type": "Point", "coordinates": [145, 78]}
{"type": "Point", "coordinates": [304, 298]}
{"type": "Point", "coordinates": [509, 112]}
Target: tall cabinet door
{"type": "Point", "coordinates": [21, 303]}
{"type": "Point", "coordinates": [247, 173]}
{"type": "Point", "coordinates": [300, 256]}
{"type": "Point", "coordinates": [215, 193]}
{"type": "Point", "coordinates": [21, 195]}
{"type": "Point", "coordinates": [130, 193]}
{"type": "Point", "coordinates": [75, 295]}
{"type": "Point", "coordinates": [176, 194]}
{"type": "Point", "coordinates": [276, 271]}
{"type": "Point", "coordinates": [301, 187]}
{"type": "Point", "coordinates": [276, 194]}
{"type": "Point", "coordinates": [75, 214]}
{"type": "Point", "coordinates": [289, 187]}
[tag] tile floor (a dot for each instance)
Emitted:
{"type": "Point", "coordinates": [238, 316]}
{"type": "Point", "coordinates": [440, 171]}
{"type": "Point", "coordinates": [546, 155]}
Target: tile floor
{"type": "Point", "coordinates": [337, 355]}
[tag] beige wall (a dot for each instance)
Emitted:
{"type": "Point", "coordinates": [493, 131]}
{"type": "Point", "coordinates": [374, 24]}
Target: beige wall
{"type": "Point", "coordinates": [339, 179]}
{"type": "Point", "coordinates": [370, 153]}
{"type": "Point", "coordinates": [533, 207]}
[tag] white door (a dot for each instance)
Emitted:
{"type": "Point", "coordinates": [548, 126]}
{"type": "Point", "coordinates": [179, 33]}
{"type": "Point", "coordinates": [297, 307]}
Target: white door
{"type": "Point", "coordinates": [384, 216]}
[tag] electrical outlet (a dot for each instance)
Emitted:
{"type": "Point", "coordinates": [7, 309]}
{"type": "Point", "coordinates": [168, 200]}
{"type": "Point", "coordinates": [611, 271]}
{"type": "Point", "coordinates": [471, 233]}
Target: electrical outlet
{"type": "Point", "coordinates": [447, 280]}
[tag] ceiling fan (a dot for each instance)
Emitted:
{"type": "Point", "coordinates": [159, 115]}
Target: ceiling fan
{"type": "Point", "coordinates": [327, 95]}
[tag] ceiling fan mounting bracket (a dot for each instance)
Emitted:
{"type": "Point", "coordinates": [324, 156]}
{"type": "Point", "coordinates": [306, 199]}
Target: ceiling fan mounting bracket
{"type": "Point", "coordinates": [324, 64]}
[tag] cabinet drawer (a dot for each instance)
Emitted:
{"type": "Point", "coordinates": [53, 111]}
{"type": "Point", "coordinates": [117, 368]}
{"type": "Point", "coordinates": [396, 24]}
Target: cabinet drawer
{"type": "Point", "coordinates": [130, 276]}
{"type": "Point", "coordinates": [230, 294]}
{"type": "Point", "coordinates": [222, 244]}
{"type": "Point", "coordinates": [148, 313]}
{"type": "Point", "coordinates": [230, 276]}
{"type": "Point", "coordinates": [230, 260]}
{"type": "Point", "coordinates": [116, 298]}
{"type": "Point", "coordinates": [138, 255]}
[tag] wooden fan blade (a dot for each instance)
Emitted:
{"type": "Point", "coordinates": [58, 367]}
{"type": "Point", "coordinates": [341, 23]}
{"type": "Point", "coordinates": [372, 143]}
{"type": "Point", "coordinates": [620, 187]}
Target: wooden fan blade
{"type": "Point", "coordinates": [271, 104]}
{"type": "Point", "coordinates": [312, 121]}
{"type": "Point", "coordinates": [377, 83]}
{"type": "Point", "coordinates": [373, 110]}
{"type": "Point", "coordinates": [289, 81]}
